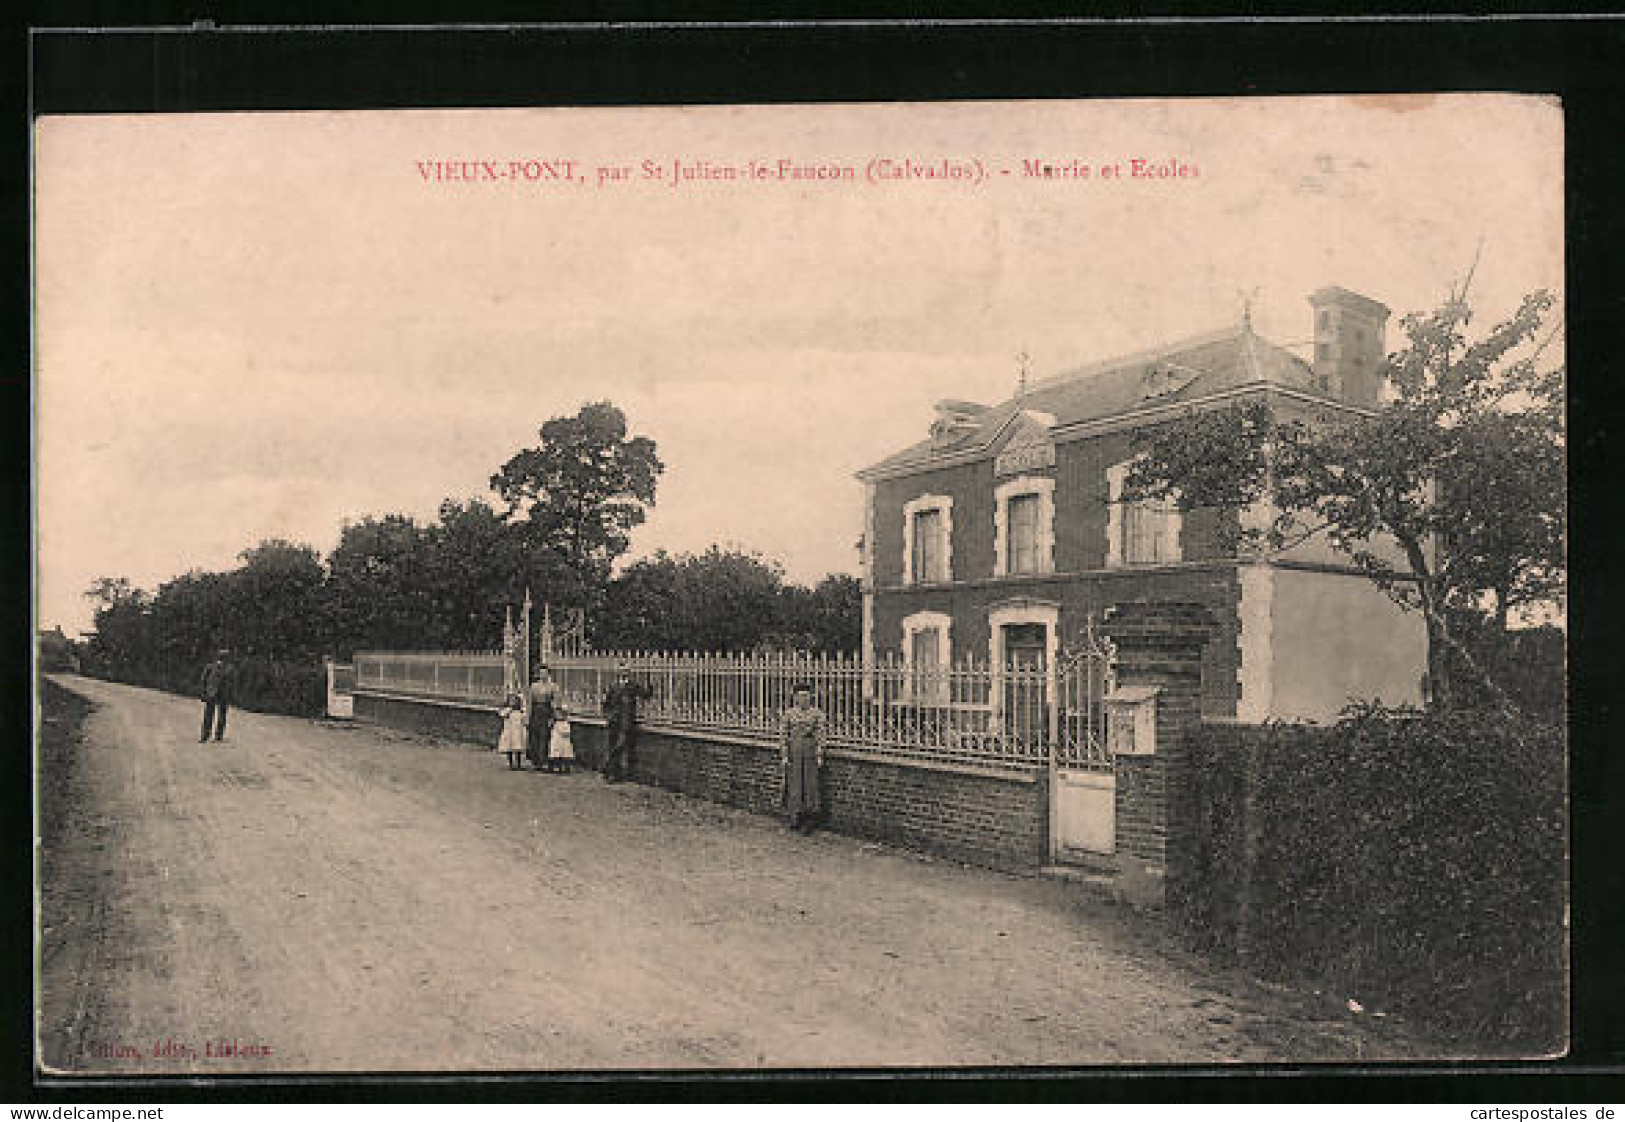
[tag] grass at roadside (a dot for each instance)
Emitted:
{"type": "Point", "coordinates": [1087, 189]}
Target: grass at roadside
{"type": "Point", "coordinates": [65, 909]}
{"type": "Point", "coordinates": [61, 726]}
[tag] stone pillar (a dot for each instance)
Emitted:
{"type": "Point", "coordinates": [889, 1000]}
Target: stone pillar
{"type": "Point", "coordinates": [1158, 646]}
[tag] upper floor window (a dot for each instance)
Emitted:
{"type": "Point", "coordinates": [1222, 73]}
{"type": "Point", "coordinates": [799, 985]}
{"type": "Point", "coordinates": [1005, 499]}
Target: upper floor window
{"type": "Point", "coordinates": [1023, 513]}
{"type": "Point", "coordinates": [1024, 526]}
{"type": "Point", "coordinates": [928, 551]}
{"type": "Point", "coordinates": [928, 540]}
{"type": "Point", "coordinates": [1145, 532]}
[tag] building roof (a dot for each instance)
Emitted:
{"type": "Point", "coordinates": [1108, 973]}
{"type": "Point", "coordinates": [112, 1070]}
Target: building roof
{"type": "Point", "coordinates": [1180, 371]}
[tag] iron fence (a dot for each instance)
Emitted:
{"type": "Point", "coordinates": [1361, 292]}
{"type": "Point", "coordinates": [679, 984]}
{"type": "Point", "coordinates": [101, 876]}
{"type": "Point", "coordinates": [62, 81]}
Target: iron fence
{"type": "Point", "coordinates": [1016, 715]}
{"type": "Point", "coordinates": [475, 677]}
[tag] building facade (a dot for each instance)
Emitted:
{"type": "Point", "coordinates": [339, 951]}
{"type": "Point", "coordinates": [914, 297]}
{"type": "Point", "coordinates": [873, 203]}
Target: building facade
{"type": "Point", "coordinates": [1000, 535]}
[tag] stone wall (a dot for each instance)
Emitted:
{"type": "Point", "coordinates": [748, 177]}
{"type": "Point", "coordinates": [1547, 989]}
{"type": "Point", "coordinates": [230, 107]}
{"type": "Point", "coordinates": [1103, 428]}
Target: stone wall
{"type": "Point", "coordinates": [991, 818]}
{"type": "Point", "coordinates": [456, 722]}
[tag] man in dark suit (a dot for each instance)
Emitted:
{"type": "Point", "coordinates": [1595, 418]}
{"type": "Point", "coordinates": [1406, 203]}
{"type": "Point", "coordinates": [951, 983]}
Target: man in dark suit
{"type": "Point", "coordinates": [219, 681]}
{"type": "Point", "coordinates": [621, 719]}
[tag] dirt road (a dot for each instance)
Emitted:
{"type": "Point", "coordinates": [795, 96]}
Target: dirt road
{"type": "Point", "coordinates": [318, 898]}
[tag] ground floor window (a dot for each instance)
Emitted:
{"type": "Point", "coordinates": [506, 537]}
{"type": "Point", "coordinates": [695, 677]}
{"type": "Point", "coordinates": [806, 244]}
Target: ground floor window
{"type": "Point", "coordinates": [1022, 645]}
{"type": "Point", "coordinates": [927, 656]}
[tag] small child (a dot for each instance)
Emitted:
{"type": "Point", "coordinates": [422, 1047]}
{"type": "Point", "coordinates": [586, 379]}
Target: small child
{"type": "Point", "coordinates": [561, 751]}
{"type": "Point", "coordinates": [512, 741]}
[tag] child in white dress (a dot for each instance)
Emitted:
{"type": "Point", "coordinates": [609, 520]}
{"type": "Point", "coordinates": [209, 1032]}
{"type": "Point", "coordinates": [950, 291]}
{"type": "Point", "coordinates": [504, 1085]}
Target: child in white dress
{"type": "Point", "coordinates": [512, 741]}
{"type": "Point", "coordinates": [561, 751]}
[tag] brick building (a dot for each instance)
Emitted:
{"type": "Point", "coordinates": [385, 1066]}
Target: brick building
{"type": "Point", "coordinates": [997, 536]}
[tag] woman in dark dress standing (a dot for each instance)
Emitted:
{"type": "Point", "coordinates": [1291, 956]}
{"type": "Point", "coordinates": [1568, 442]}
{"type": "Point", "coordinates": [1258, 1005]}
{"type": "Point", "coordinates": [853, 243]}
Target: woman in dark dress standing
{"type": "Point", "coordinates": [801, 756]}
{"type": "Point", "coordinates": [544, 695]}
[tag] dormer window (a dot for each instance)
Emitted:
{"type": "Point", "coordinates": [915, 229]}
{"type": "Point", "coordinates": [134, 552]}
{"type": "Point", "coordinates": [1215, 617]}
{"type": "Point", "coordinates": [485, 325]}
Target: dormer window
{"type": "Point", "coordinates": [955, 419]}
{"type": "Point", "coordinates": [1162, 380]}
{"type": "Point", "coordinates": [928, 540]}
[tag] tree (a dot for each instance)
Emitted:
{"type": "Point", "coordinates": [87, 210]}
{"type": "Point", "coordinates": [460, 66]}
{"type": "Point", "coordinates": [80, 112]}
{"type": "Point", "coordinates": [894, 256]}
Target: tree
{"type": "Point", "coordinates": [193, 615]}
{"type": "Point", "coordinates": [277, 602]}
{"type": "Point", "coordinates": [827, 618]}
{"type": "Point", "coordinates": [109, 591]}
{"type": "Point", "coordinates": [1461, 473]}
{"type": "Point", "coordinates": [377, 590]}
{"type": "Point", "coordinates": [476, 566]}
{"type": "Point", "coordinates": [1508, 528]}
{"type": "Point", "coordinates": [720, 600]}
{"type": "Point", "coordinates": [576, 497]}
{"type": "Point", "coordinates": [640, 608]}
{"type": "Point", "coordinates": [123, 634]}
{"type": "Point", "coordinates": [727, 599]}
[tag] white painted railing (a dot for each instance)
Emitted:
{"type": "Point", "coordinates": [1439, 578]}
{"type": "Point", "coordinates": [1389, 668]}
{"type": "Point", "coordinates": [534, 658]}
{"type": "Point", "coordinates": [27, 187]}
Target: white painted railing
{"type": "Point", "coordinates": [473, 677]}
{"type": "Point", "coordinates": [1013, 716]}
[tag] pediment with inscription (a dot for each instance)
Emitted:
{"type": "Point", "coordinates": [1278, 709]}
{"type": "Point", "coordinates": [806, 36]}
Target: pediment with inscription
{"type": "Point", "coordinates": [1029, 448]}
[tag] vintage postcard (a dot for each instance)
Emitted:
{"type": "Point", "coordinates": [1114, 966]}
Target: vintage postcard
{"type": "Point", "coordinates": [921, 585]}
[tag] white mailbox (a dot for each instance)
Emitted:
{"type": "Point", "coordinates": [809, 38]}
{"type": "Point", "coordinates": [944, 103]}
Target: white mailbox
{"type": "Point", "coordinates": [1131, 720]}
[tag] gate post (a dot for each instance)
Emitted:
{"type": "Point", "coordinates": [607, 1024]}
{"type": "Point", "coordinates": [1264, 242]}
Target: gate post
{"type": "Point", "coordinates": [1158, 653]}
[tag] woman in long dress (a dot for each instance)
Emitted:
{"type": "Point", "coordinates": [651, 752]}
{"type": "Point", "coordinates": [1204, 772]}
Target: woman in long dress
{"type": "Point", "coordinates": [801, 756]}
{"type": "Point", "coordinates": [512, 741]}
{"type": "Point", "coordinates": [544, 694]}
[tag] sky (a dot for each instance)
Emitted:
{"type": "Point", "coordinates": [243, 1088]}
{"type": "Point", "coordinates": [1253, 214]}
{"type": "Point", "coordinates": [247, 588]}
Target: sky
{"type": "Point", "coordinates": [261, 325]}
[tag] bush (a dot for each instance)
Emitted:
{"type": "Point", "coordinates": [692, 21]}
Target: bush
{"type": "Point", "coordinates": [1417, 862]}
{"type": "Point", "coordinates": [1528, 665]}
{"type": "Point", "coordinates": [295, 689]}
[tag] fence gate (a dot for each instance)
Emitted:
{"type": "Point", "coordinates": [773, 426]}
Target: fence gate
{"type": "Point", "coordinates": [1083, 783]}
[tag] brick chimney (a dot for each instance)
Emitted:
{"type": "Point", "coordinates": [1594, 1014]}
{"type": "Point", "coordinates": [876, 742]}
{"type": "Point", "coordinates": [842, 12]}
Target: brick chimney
{"type": "Point", "coordinates": [1350, 345]}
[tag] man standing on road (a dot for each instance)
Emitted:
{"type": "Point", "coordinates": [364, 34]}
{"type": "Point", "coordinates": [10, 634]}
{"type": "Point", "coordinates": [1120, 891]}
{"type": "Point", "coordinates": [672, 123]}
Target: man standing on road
{"type": "Point", "coordinates": [621, 718]}
{"type": "Point", "coordinates": [219, 680]}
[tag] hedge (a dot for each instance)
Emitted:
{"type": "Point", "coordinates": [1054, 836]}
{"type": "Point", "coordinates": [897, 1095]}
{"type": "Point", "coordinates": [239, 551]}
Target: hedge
{"type": "Point", "coordinates": [296, 689]}
{"type": "Point", "coordinates": [1417, 863]}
